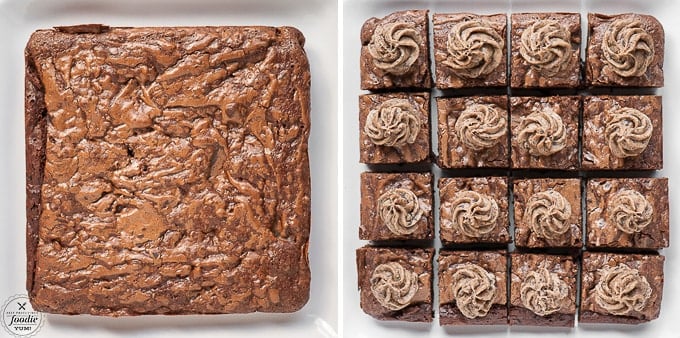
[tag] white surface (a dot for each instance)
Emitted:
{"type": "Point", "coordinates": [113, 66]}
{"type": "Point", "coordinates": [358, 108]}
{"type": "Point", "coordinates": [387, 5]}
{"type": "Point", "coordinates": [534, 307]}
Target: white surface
{"type": "Point", "coordinates": [357, 324]}
{"type": "Point", "coordinates": [316, 19]}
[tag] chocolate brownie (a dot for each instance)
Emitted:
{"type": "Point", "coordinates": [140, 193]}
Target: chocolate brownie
{"type": "Point", "coordinates": [625, 50]}
{"type": "Point", "coordinates": [395, 283]}
{"type": "Point", "coordinates": [167, 170]}
{"type": "Point", "coordinates": [396, 206]}
{"type": "Point", "coordinates": [470, 50]}
{"type": "Point", "coordinates": [547, 213]}
{"type": "Point", "coordinates": [627, 213]}
{"type": "Point", "coordinates": [395, 51]}
{"type": "Point", "coordinates": [473, 210]}
{"type": "Point", "coordinates": [394, 128]}
{"type": "Point", "coordinates": [622, 132]}
{"type": "Point", "coordinates": [473, 132]}
{"type": "Point", "coordinates": [546, 50]}
{"type": "Point", "coordinates": [473, 288]}
{"type": "Point", "coordinates": [620, 288]}
{"type": "Point", "coordinates": [542, 290]}
{"type": "Point", "coordinates": [544, 132]}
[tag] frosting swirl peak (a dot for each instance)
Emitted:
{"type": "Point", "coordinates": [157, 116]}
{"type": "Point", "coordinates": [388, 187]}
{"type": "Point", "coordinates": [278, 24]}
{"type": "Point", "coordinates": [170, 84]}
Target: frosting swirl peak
{"type": "Point", "coordinates": [474, 48]}
{"type": "Point", "coordinates": [622, 290]}
{"type": "Point", "coordinates": [473, 214]}
{"type": "Point", "coordinates": [630, 211]}
{"type": "Point", "coordinates": [395, 47]}
{"type": "Point", "coordinates": [627, 47]}
{"type": "Point", "coordinates": [393, 285]}
{"type": "Point", "coordinates": [547, 213]}
{"type": "Point", "coordinates": [474, 289]}
{"type": "Point", "coordinates": [542, 292]}
{"type": "Point", "coordinates": [542, 133]}
{"type": "Point", "coordinates": [481, 126]}
{"type": "Point", "coordinates": [400, 211]}
{"type": "Point", "coordinates": [546, 46]}
{"type": "Point", "coordinates": [394, 123]}
{"type": "Point", "coordinates": [628, 132]}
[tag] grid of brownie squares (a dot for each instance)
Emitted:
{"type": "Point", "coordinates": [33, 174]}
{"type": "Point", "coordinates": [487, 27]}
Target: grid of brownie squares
{"type": "Point", "coordinates": [610, 227]}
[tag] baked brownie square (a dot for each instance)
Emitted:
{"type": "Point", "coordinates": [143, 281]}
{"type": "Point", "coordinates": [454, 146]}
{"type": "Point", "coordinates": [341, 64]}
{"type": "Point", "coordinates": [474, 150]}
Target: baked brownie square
{"type": "Point", "coordinates": [473, 210]}
{"type": "Point", "coordinates": [544, 132]}
{"type": "Point", "coordinates": [473, 132]}
{"type": "Point", "coordinates": [625, 50]}
{"type": "Point", "coordinates": [470, 50]}
{"type": "Point", "coordinates": [473, 288]}
{"type": "Point", "coordinates": [394, 128]}
{"type": "Point", "coordinates": [396, 206]}
{"type": "Point", "coordinates": [395, 283]}
{"type": "Point", "coordinates": [167, 170]}
{"type": "Point", "coordinates": [395, 51]}
{"type": "Point", "coordinates": [627, 213]}
{"type": "Point", "coordinates": [620, 288]}
{"type": "Point", "coordinates": [542, 290]}
{"type": "Point", "coordinates": [622, 132]}
{"type": "Point", "coordinates": [547, 213]}
{"type": "Point", "coordinates": [546, 49]}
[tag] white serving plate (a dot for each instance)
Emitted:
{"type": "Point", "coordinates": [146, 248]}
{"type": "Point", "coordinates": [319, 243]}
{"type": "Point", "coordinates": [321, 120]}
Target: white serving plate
{"type": "Point", "coordinates": [316, 19]}
{"type": "Point", "coordinates": [355, 323]}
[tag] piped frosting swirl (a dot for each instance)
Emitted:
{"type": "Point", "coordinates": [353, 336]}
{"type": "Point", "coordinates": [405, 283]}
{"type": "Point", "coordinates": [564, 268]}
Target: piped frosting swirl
{"type": "Point", "coordinates": [400, 211]}
{"type": "Point", "coordinates": [546, 46]}
{"type": "Point", "coordinates": [473, 214]}
{"type": "Point", "coordinates": [629, 211]}
{"type": "Point", "coordinates": [393, 123]}
{"type": "Point", "coordinates": [622, 290]}
{"type": "Point", "coordinates": [474, 48]}
{"type": "Point", "coordinates": [627, 47]}
{"type": "Point", "coordinates": [542, 133]}
{"type": "Point", "coordinates": [628, 132]}
{"type": "Point", "coordinates": [547, 214]}
{"type": "Point", "coordinates": [395, 47]}
{"type": "Point", "coordinates": [481, 126]}
{"type": "Point", "coordinates": [542, 292]}
{"type": "Point", "coordinates": [393, 285]}
{"type": "Point", "coordinates": [474, 289]}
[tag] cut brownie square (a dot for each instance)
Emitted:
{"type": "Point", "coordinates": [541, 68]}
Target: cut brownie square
{"type": "Point", "coordinates": [473, 210]}
{"type": "Point", "coordinates": [470, 50]}
{"type": "Point", "coordinates": [544, 132]}
{"type": "Point", "coordinates": [473, 288]}
{"type": "Point", "coordinates": [620, 288]}
{"type": "Point", "coordinates": [622, 132]}
{"type": "Point", "coordinates": [473, 132]}
{"type": "Point", "coordinates": [542, 290]}
{"type": "Point", "coordinates": [394, 128]}
{"type": "Point", "coordinates": [395, 283]}
{"type": "Point", "coordinates": [627, 213]}
{"type": "Point", "coordinates": [167, 170]}
{"type": "Point", "coordinates": [395, 51]}
{"type": "Point", "coordinates": [547, 213]}
{"type": "Point", "coordinates": [396, 206]}
{"type": "Point", "coordinates": [625, 50]}
{"type": "Point", "coordinates": [546, 49]}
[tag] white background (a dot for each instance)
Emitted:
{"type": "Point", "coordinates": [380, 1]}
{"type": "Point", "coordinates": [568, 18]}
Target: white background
{"type": "Point", "coordinates": [354, 13]}
{"type": "Point", "coordinates": [316, 19]}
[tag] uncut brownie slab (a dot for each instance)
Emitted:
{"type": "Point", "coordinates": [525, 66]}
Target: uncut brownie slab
{"type": "Point", "coordinates": [627, 213]}
{"type": "Point", "coordinates": [542, 290]}
{"type": "Point", "coordinates": [167, 170]}
{"type": "Point", "coordinates": [396, 283]}
{"type": "Point", "coordinates": [473, 288]}
{"type": "Point", "coordinates": [620, 288]}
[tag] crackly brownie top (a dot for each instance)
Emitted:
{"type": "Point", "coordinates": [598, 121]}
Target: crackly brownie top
{"type": "Point", "coordinates": [176, 173]}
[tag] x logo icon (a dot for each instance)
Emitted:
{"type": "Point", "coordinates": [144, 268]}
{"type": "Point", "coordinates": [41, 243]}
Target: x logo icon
{"type": "Point", "coordinates": [22, 306]}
